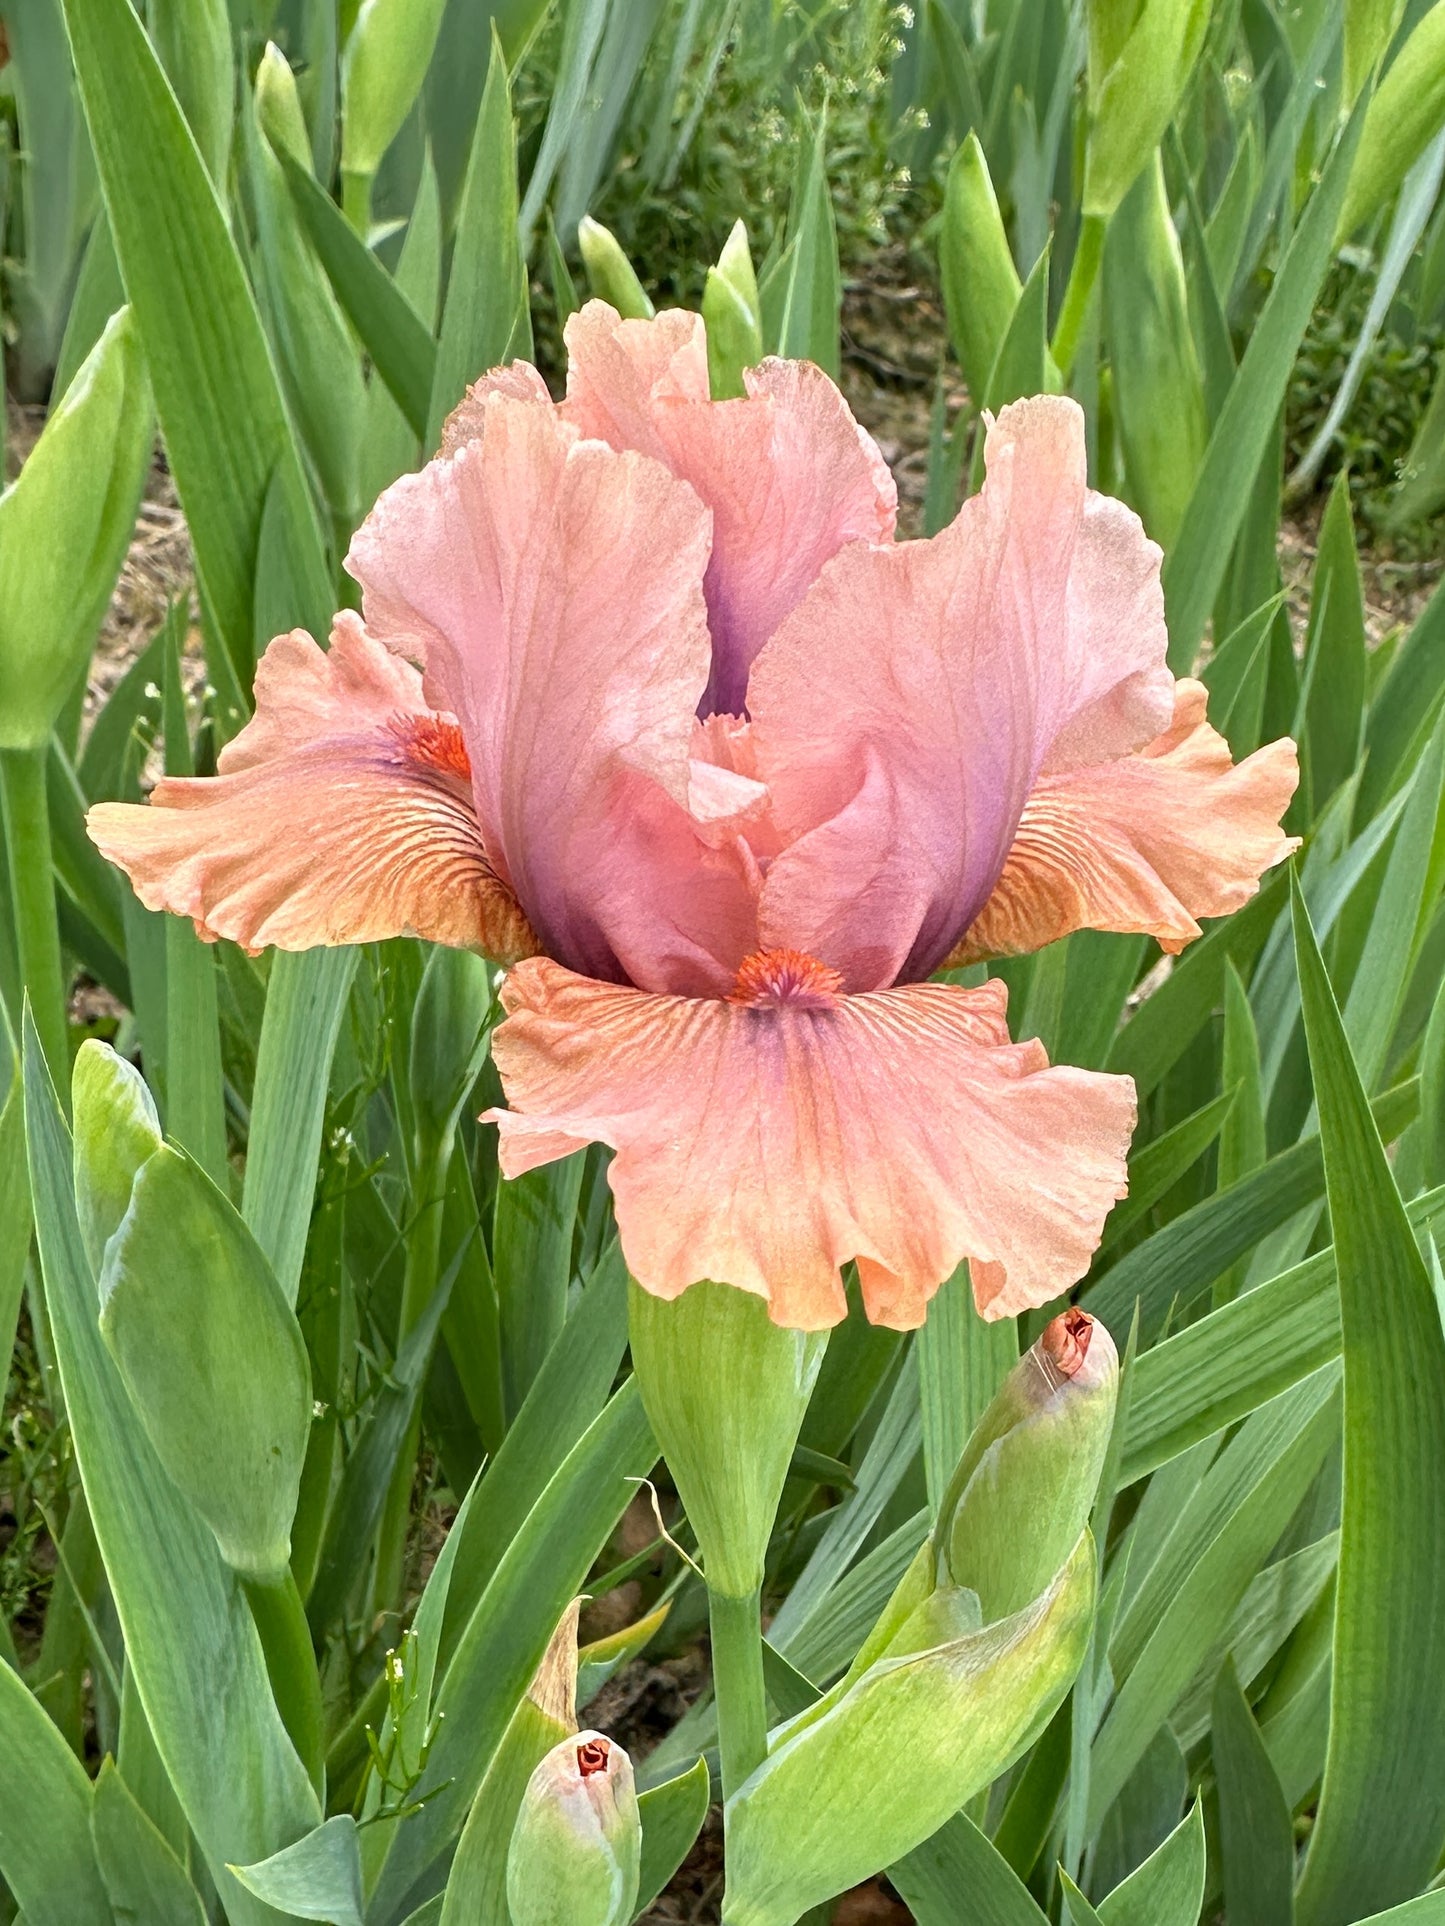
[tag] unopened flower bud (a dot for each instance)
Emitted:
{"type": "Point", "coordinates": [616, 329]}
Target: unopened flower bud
{"type": "Point", "coordinates": [879, 1765]}
{"type": "Point", "coordinates": [610, 275]}
{"type": "Point", "coordinates": [1026, 1483]}
{"type": "Point", "coordinates": [278, 106]}
{"type": "Point", "coordinates": [733, 315]}
{"type": "Point", "coordinates": [576, 1848]}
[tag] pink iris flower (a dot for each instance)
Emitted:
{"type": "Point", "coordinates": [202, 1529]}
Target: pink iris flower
{"type": "Point", "coordinates": [646, 702]}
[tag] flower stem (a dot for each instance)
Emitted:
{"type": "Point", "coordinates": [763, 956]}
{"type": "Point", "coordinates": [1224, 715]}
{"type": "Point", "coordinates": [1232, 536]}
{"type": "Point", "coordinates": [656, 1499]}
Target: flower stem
{"type": "Point", "coordinates": [32, 890]}
{"type": "Point", "coordinates": [737, 1674]}
{"type": "Point", "coordinates": [1082, 276]}
{"type": "Point", "coordinates": [419, 1282]}
{"type": "Point", "coordinates": [356, 199]}
{"type": "Point", "coordinates": [291, 1665]}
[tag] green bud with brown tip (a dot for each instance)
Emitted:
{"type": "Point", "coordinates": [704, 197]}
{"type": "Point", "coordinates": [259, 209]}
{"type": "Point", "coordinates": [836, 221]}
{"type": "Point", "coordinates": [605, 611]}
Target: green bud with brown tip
{"type": "Point", "coordinates": [575, 1856]}
{"type": "Point", "coordinates": [1027, 1479]}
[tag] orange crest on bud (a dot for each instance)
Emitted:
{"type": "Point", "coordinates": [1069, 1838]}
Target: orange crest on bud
{"type": "Point", "coordinates": [1066, 1341]}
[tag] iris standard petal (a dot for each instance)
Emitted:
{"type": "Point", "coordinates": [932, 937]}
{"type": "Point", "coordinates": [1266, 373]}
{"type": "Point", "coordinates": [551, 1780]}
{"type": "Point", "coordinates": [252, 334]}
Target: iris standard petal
{"type": "Point", "coordinates": [552, 588]}
{"type": "Point", "coordinates": [1149, 842]}
{"type": "Point", "coordinates": [618, 371]}
{"type": "Point", "coordinates": [905, 709]}
{"type": "Point", "coordinates": [764, 1143]}
{"type": "Point", "coordinates": [342, 813]}
{"type": "Point", "coordinates": [787, 471]}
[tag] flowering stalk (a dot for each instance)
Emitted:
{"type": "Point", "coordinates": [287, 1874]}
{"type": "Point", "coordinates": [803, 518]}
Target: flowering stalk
{"type": "Point", "coordinates": [280, 1620]}
{"type": "Point", "coordinates": [453, 1008]}
{"type": "Point", "coordinates": [735, 1629]}
{"type": "Point", "coordinates": [1078, 293]}
{"type": "Point", "coordinates": [26, 810]}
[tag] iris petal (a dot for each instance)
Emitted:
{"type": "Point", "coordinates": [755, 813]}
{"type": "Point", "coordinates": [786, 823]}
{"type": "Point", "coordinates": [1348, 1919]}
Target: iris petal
{"type": "Point", "coordinates": [342, 813]}
{"type": "Point", "coordinates": [765, 1146]}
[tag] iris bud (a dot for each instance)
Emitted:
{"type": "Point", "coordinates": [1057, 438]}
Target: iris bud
{"type": "Point", "coordinates": [1027, 1479]}
{"type": "Point", "coordinates": [610, 275]}
{"type": "Point", "coordinates": [65, 523]}
{"type": "Point", "coordinates": [981, 286]}
{"type": "Point", "coordinates": [278, 106]}
{"type": "Point", "coordinates": [878, 1766]}
{"type": "Point", "coordinates": [1141, 54]}
{"type": "Point", "coordinates": [116, 1130]}
{"type": "Point", "coordinates": [382, 69]}
{"type": "Point", "coordinates": [211, 1354]}
{"type": "Point", "coordinates": [733, 314]}
{"type": "Point", "coordinates": [575, 1856]}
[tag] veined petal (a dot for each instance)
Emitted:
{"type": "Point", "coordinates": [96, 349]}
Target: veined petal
{"type": "Point", "coordinates": [552, 588]}
{"type": "Point", "coordinates": [617, 372]}
{"type": "Point", "coordinates": [764, 1145]}
{"type": "Point", "coordinates": [342, 813]}
{"type": "Point", "coordinates": [468, 419]}
{"type": "Point", "coordinates": [1149, 842]}
{"type": "Point", "coordinates": [946, 676]}
{"type": "Point", "coordinates": [788, 473]}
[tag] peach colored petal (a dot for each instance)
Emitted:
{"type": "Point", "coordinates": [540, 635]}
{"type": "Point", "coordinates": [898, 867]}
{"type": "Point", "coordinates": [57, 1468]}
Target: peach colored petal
{"type": "Point", "coordinates": [766, 1146]}
{"type": "Point", "coordinates": [1150, 842]}
{"type": "Point", "coordinates": [788, 473]}
{"type": "Point", "coordinates": [617, 371]}
{"type": "Point", "coordinates": [468, 419]}
{"type": "Point", "coordinates": [552, 588]}
{"type": "Point", "coordinates": [905, 710]}
{"type": "Point", "coordinates": [342, 813]}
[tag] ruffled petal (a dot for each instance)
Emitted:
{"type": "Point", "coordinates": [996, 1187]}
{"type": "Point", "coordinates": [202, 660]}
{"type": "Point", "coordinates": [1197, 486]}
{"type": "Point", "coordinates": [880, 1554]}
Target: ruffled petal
{"type": "Point", "coordinates": [342, 813]}
{"type": "Point", "coordinates": [468, 419]}
{"type": "Point", "coordinates": [552, 588]}
{"type": "Point", "coordinates": [1149, 842]}
{"type": "Point", "coordinates": [788, 473]}
{"type": "Point", "coordinates": [921, 689]}
{"type": "Point", "coordinates": [766, 1146]}
{"type": "Point", "coordinates": [618, 371]}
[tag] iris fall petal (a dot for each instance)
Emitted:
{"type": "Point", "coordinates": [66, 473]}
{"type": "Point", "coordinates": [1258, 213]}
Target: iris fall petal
{"type": "Point", "coordinates": [766, 1146]}
{"type": "Point", "coordinates": [1149, 842]}
{"type": "Point", "coordinates": [342, 813]}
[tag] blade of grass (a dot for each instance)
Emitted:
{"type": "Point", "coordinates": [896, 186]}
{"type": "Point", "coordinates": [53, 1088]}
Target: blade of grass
{"type": "Point", "coordinates": [1255, 1826]}
{"type": "Point", "coordinates": [1227, 1364]}
{"type": "Point", "coordinates": [1195, 1248]}
{"type": "Point", "coordinates": [1381, 1821]}
{"type": "Point", "coordinates": [45, 1800]}
{"type": "Point", "coordinates": [304, 1005]}
{"type": "Point", "coordinates": [1272, 1478]}
{"type": "Point", "coordinates": [225, 424]}
{"type": "Point", "coordinates": [486, 320]}
{"type": "Point", "coordinates": [1166, 1023]}
{"type": "Point", "coordinates": [961, 1363]}
{"type": "Point", "coordinates": [195, 1091]}
{"type": "Point", "coordinates": [498, 1653]}
{"type": "Point", "coordinates": [959, 1860]}
{"type": "Point", "coordinates": [532, 1268]}
{"type": "Point", "coordinates": [1195, 569]}
{"type": "Point", "coordinates": [392, 332]}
